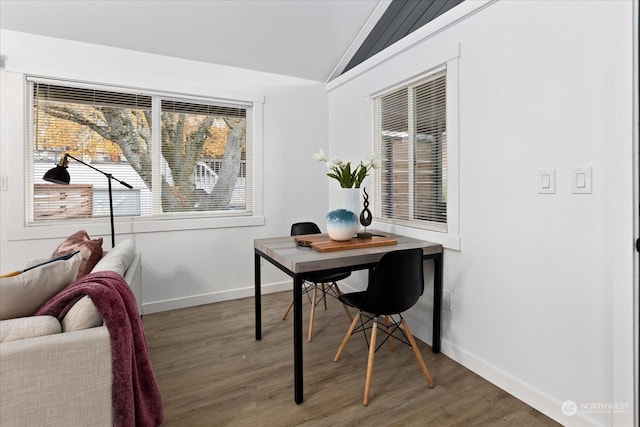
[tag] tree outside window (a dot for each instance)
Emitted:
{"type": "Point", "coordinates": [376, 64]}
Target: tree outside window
{"type": "Point", "coordinates": [203, 148]}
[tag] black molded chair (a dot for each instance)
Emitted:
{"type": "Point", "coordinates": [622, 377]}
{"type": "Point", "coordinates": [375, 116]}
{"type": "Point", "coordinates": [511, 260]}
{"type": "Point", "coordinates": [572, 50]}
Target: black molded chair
{"type": "Point", "coordinates": [327, 282]}
{"type": "Point", "coordinates": [395, 285]}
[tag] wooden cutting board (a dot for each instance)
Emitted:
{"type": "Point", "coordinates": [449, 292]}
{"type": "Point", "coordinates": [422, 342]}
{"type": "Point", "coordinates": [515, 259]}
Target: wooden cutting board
{"type": "Point", "coordinates": [323, 243]}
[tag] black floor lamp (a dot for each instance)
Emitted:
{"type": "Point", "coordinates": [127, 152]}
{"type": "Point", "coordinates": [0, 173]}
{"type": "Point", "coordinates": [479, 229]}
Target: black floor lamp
{"type": "Point", "coordinates": [60, 175]}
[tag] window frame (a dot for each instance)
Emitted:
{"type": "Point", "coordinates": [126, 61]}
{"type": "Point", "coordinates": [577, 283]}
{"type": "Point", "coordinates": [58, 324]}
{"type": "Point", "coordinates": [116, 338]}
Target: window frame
{"type": "Point", "coordinates": [448, 59]}
{"type": "Point", "coordinates": [20, 229]}
{"type": "Point", "coordinates": [409, 99]}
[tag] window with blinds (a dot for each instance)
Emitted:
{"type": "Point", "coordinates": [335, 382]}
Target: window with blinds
{"type": "Point", "coordinates": [183, 157]}
{"type": "Point", "coordinates": [411, 141]}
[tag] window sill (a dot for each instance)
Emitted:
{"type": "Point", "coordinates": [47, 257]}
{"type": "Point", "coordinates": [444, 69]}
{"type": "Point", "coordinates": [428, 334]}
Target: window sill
{"type": "Point", "coordinates": [128, 226]}
{"type": "Point", "coordinates": [448, 241]}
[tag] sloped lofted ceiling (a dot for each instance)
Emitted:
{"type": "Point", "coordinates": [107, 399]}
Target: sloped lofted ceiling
{"type": "Point", "coordinates": [300, 38]}
{"type": "Point", "coordinates": [401, 18]}
{"type": "Point", "coordinates": [310, 39]}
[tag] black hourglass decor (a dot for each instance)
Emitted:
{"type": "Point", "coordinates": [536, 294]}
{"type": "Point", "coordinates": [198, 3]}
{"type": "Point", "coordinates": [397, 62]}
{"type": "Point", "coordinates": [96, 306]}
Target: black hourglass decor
{"type": "Point", "coordinates": [365, 216]}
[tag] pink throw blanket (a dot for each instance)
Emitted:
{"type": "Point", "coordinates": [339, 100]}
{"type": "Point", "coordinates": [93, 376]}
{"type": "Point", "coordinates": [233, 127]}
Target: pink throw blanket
{"type": "Point", "coordinates": [135, 394]}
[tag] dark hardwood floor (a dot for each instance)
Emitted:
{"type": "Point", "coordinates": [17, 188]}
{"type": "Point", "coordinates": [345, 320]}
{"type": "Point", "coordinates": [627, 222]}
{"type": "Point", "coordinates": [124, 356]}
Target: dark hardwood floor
{"type": "Point", "coordinates": [212, 372]}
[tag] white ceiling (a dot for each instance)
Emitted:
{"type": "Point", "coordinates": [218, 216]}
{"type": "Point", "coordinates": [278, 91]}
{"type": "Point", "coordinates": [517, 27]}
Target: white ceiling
{"type": "Point", "coordinates": [300, 38]}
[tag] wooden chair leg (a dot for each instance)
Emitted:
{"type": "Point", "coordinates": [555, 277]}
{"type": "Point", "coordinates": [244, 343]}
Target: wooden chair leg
{"type": "Point", "coordinates": [286, 313]}
{"type": "Point", "coordinates": [346, 308]}
{"type": "Point", "coordinates": [388, 323]}
{"type": "Point", "coordinates": [416, 351]}
{"type": "Point", "coordinates": [313, 312]}
{"type": "Point", "coordinates": [346, 338]}
{"type": "Point", "coordinates": [372, 352]}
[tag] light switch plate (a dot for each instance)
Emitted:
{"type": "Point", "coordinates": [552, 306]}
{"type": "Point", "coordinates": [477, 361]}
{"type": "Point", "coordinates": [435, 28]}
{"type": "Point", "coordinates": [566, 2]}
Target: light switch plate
{"type": "Point", "coordinates": [546, 182]}
{"type": "Point", "coordinates": [581, 180]}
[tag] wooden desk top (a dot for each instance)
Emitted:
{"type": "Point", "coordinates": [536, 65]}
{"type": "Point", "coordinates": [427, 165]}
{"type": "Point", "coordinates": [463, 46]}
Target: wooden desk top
{"type": "Point", "coordinates": [298, 259]}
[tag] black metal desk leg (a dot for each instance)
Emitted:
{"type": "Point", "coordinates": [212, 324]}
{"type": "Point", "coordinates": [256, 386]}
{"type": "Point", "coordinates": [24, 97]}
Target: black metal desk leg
{"type": "Point", "coordinates": [258, 297]}
{"type": "Point", "coordinates": [297, 340]}
{"type": "Point", "coordinates": [437, 302]}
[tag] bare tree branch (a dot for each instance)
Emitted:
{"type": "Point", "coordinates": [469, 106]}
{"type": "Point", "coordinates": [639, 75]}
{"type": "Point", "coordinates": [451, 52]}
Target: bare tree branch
{"type": "Point", "coordinates": [181, 149]}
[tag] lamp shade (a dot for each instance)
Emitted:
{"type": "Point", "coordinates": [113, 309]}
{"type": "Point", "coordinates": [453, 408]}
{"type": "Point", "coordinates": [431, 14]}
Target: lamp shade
{"type": "Point", "coordinates": [57, 175]}
{"type": "Point", "coordinates": [60, 175]}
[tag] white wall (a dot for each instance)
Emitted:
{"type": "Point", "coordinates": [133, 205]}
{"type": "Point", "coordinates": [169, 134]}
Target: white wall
{"type": "Point", "coordinates": [542, 287]}
{"type": "Point", "coordinates": [181, 268]}
{"type": "Point", "coordinates": [543, 283]}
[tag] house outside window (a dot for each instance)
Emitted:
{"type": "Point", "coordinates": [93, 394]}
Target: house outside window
{"type": "Point", "coordinates": [410, 125]}
{"type": "Point", "coordinates": [183, 156]}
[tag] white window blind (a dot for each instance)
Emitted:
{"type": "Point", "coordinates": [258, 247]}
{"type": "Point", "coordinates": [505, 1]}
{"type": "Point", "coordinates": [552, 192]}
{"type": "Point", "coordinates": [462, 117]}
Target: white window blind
{"type": "Point", "coordinates": [411, 140]}
{"type": "Point", "coordinates": [204, 149]}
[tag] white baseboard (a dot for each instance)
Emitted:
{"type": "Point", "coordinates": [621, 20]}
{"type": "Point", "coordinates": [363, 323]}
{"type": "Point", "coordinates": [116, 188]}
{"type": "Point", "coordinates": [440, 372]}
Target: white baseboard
{"type": "Point", "coordinates": [194, 300]}
{"type": "Point", "coordinates": [530, 395]}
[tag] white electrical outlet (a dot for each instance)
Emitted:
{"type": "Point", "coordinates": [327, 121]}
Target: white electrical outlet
{"type": "Point", "coordinates": [446, 300]}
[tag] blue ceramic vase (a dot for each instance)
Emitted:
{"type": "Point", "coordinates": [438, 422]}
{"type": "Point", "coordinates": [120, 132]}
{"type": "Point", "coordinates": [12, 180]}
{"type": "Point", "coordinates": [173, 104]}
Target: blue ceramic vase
{"type": "Point", "coordinates": [341, 224]}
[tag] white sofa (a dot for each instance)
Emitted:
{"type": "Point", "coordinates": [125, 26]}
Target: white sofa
{"type": "Point", "coordinates": [62, 379]}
